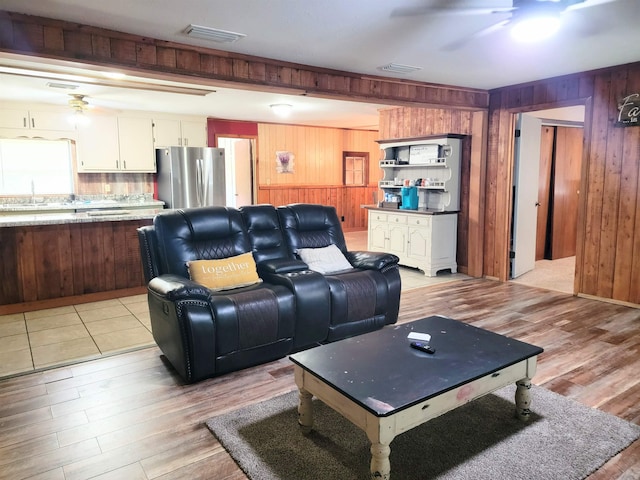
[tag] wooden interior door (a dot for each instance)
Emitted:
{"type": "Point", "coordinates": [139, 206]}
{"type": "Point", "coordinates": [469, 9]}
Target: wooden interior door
{"type": "Point", "coordinates": [547, 141]}
{"type": "Point", "coordinates": [566, 186]}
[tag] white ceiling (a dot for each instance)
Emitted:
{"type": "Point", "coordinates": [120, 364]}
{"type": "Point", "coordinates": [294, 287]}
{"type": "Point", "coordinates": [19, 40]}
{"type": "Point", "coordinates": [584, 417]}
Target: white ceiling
{"type": "Point", "coordinates": [226, 103]}
{"type": "Point", "coordinates": [357, 36]}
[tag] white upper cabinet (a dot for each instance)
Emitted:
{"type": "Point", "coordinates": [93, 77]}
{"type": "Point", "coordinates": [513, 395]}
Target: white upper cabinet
{"type": "Point", "coordinates": [97, 147]}
{"type": "Point", "coordinates": [20, 119]}
{"type": "Point", "coordinates": [179, 133]}
{"type": "Point", "coordinates": [194, 133]}
{"type": "Point", "coordinates": [116, 144]}
{"type": "Point", "coordinates": [135, 137]}
{"type": "Point", "coordinates": [167, 133]}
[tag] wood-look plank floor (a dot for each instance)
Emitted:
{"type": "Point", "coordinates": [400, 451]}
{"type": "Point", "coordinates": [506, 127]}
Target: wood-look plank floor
{"type": "Point", "coordinates": [130, 417]}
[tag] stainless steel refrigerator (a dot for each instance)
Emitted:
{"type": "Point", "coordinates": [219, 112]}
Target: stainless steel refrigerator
{"type": "Point", "coordinates": [191, 176]}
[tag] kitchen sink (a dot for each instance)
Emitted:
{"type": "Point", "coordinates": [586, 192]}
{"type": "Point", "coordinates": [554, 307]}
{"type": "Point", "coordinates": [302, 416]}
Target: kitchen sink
{"type": "Point", "coordinates": [105, 213]}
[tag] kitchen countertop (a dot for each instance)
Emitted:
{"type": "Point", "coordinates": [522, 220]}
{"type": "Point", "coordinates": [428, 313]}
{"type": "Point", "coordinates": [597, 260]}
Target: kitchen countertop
{"type": "Point", "coordinates": [79, 205]}
{"type": "Point", "coordinates": [98, 213]}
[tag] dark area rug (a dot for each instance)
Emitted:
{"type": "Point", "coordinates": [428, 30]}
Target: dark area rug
{"type": "Point", "coordinates": [480, 440]}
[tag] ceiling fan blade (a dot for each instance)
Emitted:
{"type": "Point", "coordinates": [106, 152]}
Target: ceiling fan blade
{"type": "Point", "coordinates": [587, 4]}
{"type": "Point", "coordinates": [474, 36]}
{"type": "Point", "coordinates": [582, 25]}
{"type": "Point", "coordinates": [452, 10]}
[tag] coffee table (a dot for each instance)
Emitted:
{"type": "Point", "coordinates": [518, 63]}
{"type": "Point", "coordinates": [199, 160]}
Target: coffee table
{"type": "Point", "coordinates": [385, 387]}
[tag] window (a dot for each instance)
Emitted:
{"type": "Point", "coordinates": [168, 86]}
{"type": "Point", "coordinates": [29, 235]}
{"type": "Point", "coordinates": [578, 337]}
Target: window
{"type": "Point", "coordinates": [355, 168]}
{"type": "Point", "coordinates": [35, 167]}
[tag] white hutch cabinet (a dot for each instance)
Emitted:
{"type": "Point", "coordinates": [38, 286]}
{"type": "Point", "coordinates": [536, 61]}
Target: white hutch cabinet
{"type": "Point", "coordinates": [424, 238]}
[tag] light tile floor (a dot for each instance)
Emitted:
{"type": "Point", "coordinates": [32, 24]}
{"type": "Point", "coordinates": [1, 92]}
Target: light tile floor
{"type": "Point", "coordinates": [58, 336]}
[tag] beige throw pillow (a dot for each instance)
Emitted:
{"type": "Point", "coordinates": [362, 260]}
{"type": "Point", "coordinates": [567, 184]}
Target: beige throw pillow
{"type": "Point", "coordinates": [226, 273]}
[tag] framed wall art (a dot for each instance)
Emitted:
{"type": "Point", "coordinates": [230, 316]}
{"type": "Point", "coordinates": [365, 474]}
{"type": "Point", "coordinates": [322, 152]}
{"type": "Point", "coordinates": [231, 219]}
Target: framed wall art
{"type": "Point", "coordinates": [284, 162]}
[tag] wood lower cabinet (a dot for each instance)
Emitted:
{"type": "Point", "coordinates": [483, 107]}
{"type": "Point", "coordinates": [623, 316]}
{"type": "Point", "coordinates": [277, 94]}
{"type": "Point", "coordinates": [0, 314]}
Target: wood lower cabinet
{"type": "Point", "coordinates": [424, 241]}
{"type": "Point", "coordinates": [53, 261]}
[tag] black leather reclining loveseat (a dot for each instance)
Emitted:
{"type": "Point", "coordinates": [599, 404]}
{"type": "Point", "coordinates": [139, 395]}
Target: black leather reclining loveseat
{"type": "Point", "coordinates": [205, 332]}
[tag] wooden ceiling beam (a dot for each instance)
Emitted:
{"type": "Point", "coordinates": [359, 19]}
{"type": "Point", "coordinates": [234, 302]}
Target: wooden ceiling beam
{"type": "Point", "coordinates": [60, 40]}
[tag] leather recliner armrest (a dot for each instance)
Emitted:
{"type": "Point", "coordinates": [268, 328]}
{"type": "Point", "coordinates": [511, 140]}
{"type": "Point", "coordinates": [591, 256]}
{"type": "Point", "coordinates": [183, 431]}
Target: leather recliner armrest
{"type": "Point", "coordinates": [372, 260]}
{"type": "Point", "coordinates": [175, 287]}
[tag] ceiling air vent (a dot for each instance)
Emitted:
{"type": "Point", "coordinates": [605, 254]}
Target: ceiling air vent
{"type": "Point", "coordinates": [213, 34]}
{"type": "Point", "coordinates": [399, 68]}
{"type": "Point", "coordinates": [66, 86]}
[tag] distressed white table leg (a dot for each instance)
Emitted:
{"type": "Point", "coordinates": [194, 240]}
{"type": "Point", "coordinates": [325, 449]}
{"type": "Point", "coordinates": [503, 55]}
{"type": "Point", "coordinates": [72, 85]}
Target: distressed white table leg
{"type": "Point", "coordinates": [380, 465]}
{"type": "Point", "coordinates": [523, 399]}
{"type": "Point", "coordinates": [305, 411]}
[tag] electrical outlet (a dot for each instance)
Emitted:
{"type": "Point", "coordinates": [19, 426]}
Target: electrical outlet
{"type": "Point", "coordinates": [107, 188]}
{"type": "Point", "coordinates": [342, 218]}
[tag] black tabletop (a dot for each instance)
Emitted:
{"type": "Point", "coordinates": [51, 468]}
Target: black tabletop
{"type": "Point", "coordinates": [382, 373]}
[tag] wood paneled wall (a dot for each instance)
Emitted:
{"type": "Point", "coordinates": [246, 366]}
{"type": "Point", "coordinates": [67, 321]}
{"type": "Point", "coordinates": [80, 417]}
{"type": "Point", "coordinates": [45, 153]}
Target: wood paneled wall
{"type": "Point", "coordinates": [348, 201]}
{"type": "Point", "coordinates": [417, 122]}
{"type": "Point", "coordinates": [318, 153]}
{"type": "Point", "coordinates": [317, 171]}
{"type": "Point", "coordinates": [608, 244]}
{"type": "Point", "coordinates": [53, 261]}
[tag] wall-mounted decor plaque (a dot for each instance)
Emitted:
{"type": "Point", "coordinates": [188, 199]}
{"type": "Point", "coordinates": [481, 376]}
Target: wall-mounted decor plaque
{"type": "Point", "coordinates": [629, 111]}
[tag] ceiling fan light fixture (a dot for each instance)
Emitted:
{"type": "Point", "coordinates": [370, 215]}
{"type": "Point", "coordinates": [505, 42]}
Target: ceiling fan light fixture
{"type": "Point", "coordinates": [535, 28]}
{"type": "Point", "coordinates": [281, 109]}
{"type": "Point", "coordinates": [78, 104]}
{"type": "Point", "coordinates": [78, 118]}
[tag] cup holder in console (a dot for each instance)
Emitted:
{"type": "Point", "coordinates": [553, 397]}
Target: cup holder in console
{"type": "Point", "coordinates": [301, 272]}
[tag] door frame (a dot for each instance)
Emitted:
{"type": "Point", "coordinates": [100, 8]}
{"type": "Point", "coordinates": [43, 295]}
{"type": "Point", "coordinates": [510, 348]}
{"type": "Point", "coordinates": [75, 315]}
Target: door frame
{"type": "Point", "coordinates": [582, 207]}
{"type": "Point", "coordinates": [254, 158]}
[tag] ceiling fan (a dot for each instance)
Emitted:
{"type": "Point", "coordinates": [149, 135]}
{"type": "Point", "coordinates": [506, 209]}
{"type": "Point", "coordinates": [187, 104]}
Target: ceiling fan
{"type": "Point", "coordinates": [78, 103]}
{"type": "Point", "coordinates": [517, 15]}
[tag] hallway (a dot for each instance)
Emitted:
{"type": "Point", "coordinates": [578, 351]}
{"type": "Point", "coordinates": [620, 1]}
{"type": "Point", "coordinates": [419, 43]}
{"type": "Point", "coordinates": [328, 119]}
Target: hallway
{"type": "Point", "coordinates": [551, 274]}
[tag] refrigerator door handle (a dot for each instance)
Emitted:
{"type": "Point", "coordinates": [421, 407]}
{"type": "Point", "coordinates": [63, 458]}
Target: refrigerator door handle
{"type": "Point", "coordinates": [199, 182]}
